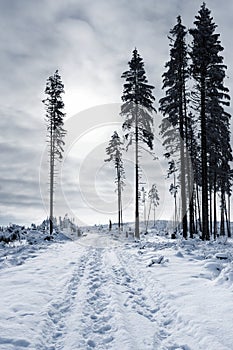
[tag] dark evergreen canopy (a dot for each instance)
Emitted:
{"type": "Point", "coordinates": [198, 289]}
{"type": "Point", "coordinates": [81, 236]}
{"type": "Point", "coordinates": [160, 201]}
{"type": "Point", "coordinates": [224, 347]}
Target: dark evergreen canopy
{"type": "Point", "coordinates": [138, 99]}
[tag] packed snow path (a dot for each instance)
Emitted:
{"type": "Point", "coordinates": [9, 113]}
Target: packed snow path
{"type": "Point", "coordinates": [100, 293]}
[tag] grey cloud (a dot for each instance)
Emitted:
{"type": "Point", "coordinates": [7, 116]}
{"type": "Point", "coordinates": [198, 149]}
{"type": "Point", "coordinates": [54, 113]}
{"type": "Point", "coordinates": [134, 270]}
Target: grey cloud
{"type": "Point", "coordinates": [21, 200]}
{"type": "Point", "coordinates": [90, 42]}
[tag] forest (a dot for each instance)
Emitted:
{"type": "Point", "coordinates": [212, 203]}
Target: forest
{"type": "Point", "coordinates": [195, 129]}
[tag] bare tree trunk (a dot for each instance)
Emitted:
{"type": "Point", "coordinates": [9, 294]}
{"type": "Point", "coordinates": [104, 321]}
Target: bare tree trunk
{"type": "Point", "coordinates": [195, 214]}
{"type": "Point", "coordinates": [210, 195]}
{"type": "Point", "coordinates": [176, 216]}
{"type": "Point", "coordinates": [121, 216]}
{"type": "Point", "coordinates": [119, 197]}
{"type": "Point", "coordinates": [51, 179]}
{"type": "Point", "coordinates": [229, 214]}
{"type": "Point", "coordinates": [191, 216]}
{"type": "Point", "coordinates": [192, 206]}
{"type": "Point", "coordinates": [205, 207]}
{"type": "Point", "coordinates": [215, 207]}
{"type": "Point", "coordinates": [227, 219]}
{"type": "Point", "coordinates": [189, 170]}
{"type": "Point", "coordinates": [199, 209]}
{"type": "Point", "coordinates": [182, 165]}
{"type": "Point", "coordinates": [137, 234]}
{"type": "Point", "coordinates": [222, 223]}
{"type": "Point", "coordinates": [183, 194]}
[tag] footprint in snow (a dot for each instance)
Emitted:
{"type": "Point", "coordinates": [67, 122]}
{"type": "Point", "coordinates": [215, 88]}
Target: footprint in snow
{"type": "Point", "coordinates": [135, 298]}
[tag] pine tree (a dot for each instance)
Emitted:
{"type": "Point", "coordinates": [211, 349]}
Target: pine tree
{"type": "Point", "coordinates": [114, 151]}
{"type": "Point", "coordinates": [54, 119]}
{"type": "Point", "coordinates": [209, 72]}
{"type": "Point", "coordinates": [137, 108]}
{"type": "Point", "coordinates": [174, 108]}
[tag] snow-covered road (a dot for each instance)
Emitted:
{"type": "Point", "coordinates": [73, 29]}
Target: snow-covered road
{"type": "Point", "coordinates": [99, 293]}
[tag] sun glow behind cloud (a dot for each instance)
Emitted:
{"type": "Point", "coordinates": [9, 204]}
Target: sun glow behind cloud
{"type": "Point", "coordinates": [87, 190]}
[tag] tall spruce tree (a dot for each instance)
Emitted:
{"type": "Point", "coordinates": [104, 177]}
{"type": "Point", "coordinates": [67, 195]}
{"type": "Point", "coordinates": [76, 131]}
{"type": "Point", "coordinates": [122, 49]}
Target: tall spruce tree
{"type": "Point", "coordinates": [174, 108]}
{"type": "Point", "coordinates": [137, 108]}
{"type": "Point", "coordinates": [208, 71]}
{"type": "Point", "coordinates": [56, 133]}
{"type": "Point", "coordinates": [114, 151]}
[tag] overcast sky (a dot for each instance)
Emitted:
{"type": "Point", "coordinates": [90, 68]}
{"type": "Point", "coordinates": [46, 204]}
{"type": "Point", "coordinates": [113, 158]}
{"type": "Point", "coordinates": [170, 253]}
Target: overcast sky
{"type": "Point", "coordinates": [90, 42]}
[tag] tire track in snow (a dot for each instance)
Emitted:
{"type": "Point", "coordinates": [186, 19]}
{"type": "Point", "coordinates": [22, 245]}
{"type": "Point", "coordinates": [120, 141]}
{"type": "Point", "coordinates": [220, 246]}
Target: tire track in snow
{"type": "Point", "coordinates": [163, 314]}
{"type": "Point", "coordinates": [171, 322]}
{"type": "Point", "coordinates": [54, 329]}
{"type": "Point", "coordinates": [111, 301]}
{"type": "Point", "coordinates": [135, 298]}
{"type": "Point", "coordinates": [107, 301]}
{"type": "Point", "coordinates": [97, 329]}
{"type": "Point", "coordinates": [134, 311]}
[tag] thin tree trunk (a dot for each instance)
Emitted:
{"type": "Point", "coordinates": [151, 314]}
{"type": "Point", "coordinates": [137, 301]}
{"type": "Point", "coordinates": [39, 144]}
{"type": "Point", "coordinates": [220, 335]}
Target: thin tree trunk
{"type": "Point", "coordinates": [121, 216]}
{"type": "Point", "coordinates": [137, 234]}
{"type": "Point", "coordinates": [175, 200]}
{"type": "Point", "coordinates": [119, 197]}
{"type": "Point", "coordinates": [191, 217]}
{"type": "Point", "coordinates": [176, 213]}
{"type": "Point", "coordinates": [51, 178]}
{"type": "Point", "coordinates": [227, 220]}
{"type": "Point", "coordinates": [182, 165]}
{"type": "Point", "coordinates": [229, 214]}
{"type": "Point", "coordinates": [199, 209]}
{"type": "Point", "coordinates": [222, 223]}
{"type": "Point", "coordinates": [210, 195]}
{"type": "Point", "coordinates": [205, 207]}
{"type": "Point", "coordinates": [215, 206]}
{"type": "Point", "coordinates": [193, 207]}
{"type": "Point", "coordinates": [195, 214]}
{"type": "Point", "coordinates": [189, 169]}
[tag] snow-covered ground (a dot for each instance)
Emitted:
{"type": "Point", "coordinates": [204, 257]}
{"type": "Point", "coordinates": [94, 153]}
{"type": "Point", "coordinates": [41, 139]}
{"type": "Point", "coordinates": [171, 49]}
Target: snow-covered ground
{"type": "Point", "coordinates": [104, 292]}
